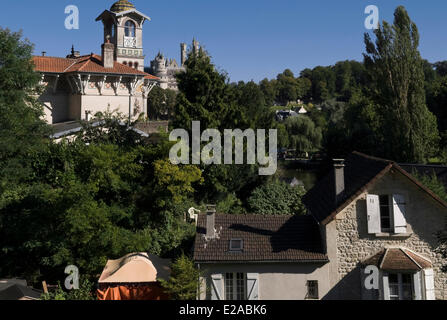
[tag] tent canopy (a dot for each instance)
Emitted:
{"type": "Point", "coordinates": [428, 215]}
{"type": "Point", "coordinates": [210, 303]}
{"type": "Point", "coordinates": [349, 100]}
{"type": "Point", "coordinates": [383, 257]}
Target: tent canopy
{"type": "Point", "coordinates": [136, 268]}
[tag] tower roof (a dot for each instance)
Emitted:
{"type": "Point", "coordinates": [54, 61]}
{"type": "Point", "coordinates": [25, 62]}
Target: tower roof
{"type": "Point", "coordinates": [122, 5]}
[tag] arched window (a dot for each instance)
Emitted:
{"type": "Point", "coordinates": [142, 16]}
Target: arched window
{"type": "Point", "coordinates": [125, 63]}
{"type": "Point", "coordinates": [135, 65]}
{"type": "Point", "coordinates": [130, 64]}
{"type": "Point", "coordinates": [130, 29]}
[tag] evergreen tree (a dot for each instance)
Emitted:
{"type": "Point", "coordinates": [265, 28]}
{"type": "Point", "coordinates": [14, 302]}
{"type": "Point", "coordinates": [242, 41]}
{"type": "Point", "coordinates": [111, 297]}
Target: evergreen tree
{"type": "Point", "coordinates": [184, 281]}
{"type": "Point", "coordinates": [396, 72]}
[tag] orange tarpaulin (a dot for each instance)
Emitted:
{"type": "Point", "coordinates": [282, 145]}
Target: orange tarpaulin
{"type": "Point", "coordinates": [141, 292]}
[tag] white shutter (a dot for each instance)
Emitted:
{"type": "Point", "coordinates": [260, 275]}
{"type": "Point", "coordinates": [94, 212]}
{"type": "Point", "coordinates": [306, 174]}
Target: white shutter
{"type": "Point", "coordinates": [400, 224]}
{"type": "Point", "coordinates": [217, 286]}
{"type": "Point", "coordinates": [373, 213]}
{"type": "Point", "coordinates": [385, 286]}
{"type": "Point", "coordinates": [252, 286]}
{"type": "Point", "coordinates": [417, 286]}
{"type": "Point", "coordinates": [429, 284]}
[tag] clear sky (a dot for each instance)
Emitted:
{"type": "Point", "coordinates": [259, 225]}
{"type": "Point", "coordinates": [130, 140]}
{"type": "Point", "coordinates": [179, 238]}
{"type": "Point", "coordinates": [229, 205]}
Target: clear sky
{"type": "Point", "coordinates": [249, 39]}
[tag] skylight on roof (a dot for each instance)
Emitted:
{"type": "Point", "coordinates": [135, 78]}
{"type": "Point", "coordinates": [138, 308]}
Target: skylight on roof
{"type": "Point", "coordinates": [236, 245]}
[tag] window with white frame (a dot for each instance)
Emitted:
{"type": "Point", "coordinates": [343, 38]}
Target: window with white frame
{"type": "Point", "coordinates": [386, 213]}
{"type": "Point", "coordinates": [400, 286]}
{"type": "Point", "coordinates": [235, 286]}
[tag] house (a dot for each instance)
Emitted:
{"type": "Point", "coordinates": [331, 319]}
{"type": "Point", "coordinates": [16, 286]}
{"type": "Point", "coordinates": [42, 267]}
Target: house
{"type": "Point", "coordinates": [259, 257]}
{"type": "Point", "coordinates": [17, 289]}
{"type": "Point", "coordinates": [368, 219]}
{"type": "Point", "coordinates": [77, 86]}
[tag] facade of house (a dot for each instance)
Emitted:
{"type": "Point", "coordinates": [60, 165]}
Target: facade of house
{"type": "Point", "coordinates": [371, 233]}
{"type": "Point", "coordinates": [80, 86]}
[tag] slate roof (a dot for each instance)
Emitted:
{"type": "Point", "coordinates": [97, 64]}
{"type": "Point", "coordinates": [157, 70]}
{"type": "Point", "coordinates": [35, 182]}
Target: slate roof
{"type": "Point", "coordinates": [397, 259]}
{"type": "Point", "coordinates": [84, 64]}
{"type": "Point", "coordinates": [360, 172]}
{"type": "Point", "coordinates": [265, 239]}
{"type": "Point", "coordinates": [18, 291]}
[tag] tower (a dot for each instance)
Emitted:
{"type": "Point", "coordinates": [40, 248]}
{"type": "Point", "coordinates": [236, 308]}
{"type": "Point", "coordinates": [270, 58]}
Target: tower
{"type": "Point", "coordinates": [183, 54]}
{"type": "Point", "coordinates": [123, 25]}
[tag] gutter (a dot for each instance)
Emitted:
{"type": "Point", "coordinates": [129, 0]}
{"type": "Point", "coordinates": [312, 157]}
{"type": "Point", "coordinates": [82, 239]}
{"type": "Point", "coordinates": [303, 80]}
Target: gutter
{"type": "Point", "coordinates": [262, 261]}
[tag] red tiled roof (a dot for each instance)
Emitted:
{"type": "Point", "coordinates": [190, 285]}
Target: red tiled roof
{"type": "Point", "coordinates": [265, 238]}
{"type": "Point", "coordinates": [87, 64]}
{"type": "Point", "coordinates": [395, 259]}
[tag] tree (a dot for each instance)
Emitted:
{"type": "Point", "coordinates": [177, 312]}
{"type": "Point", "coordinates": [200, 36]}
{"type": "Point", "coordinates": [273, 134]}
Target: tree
{"type": "Point", "coordinates": [395, 68]}
{"type": "Point", "coordinates": [161, 103]}
{"type": "Point", "coordinates": [277, 197]}
{"type": "Point", "coordinates": [205, 96]}
{"type": "Point", "coordinates": [22, 132]}
{"type": "Point", "coordinates": [303, 135]}
{"type": "Point", "coordinates": [184, 281]}
{"type": "Point", "coordinates": [268, 88]}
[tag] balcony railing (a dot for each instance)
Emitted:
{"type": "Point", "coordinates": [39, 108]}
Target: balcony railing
{"type": "Point", "coordinates": [130, 42]}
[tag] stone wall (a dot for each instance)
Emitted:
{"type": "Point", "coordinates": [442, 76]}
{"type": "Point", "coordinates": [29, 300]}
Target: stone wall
{"type": "Point", "coordinates": [424, 216]}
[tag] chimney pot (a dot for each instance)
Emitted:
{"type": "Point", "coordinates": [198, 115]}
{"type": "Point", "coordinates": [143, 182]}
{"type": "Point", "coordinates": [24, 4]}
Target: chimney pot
{"type": "Point", "coordinates": [210, 221]}
{"type": "Point", "coordinates": [339, 178]}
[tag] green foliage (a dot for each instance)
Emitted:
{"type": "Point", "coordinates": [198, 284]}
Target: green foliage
{"type": "Point", "coordinates": [432, 182]}
{"type": "Point", "coordinates": [275, 198]}
{"type": "Point", "coordinates": [85, 292]}
{"type": "Point", "coordinates": [184, 281]}
{"type": "Point", "coordinates": [396, 71]}
{"type": "Point", "coordinates": [161, 103]}
{"type": "Point", "coordinates": [205, 96]}
{"type": "Point", "coordinates": [303, 135]}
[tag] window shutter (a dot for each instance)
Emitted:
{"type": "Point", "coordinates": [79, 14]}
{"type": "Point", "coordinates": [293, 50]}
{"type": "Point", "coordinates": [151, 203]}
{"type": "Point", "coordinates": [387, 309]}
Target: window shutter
{"type": "Point", "coordinates": [217, 286]}
{"type": "Point", "coordinates": [429, 284]}
{"type": "Point", "coordinates": [252, 286]}
{"type": "Point", "coordinates": [373, 213]}
{"type": "Point", "coordinates": [417, 286]}
{"type": "Point", "coordinates": [386, 287]}
{"type": "Point", "coordinates": [400, 224]}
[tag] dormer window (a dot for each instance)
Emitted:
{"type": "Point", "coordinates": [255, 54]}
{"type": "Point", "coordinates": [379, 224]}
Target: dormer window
{"type": "Point", "coordinates": [236, 245]}
{"type": "Point", "coordinates": [130, 29]}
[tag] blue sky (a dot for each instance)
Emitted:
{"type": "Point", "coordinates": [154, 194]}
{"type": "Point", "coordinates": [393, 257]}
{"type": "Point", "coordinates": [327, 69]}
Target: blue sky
{"type": "Point", "coordinates": [249, 39]}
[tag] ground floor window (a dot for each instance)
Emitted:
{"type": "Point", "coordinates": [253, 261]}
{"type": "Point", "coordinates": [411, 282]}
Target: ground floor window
{"type": "Point", "coordinates": [235, 286]}
{"type": "Point", "coordinates": [400, 286]}
{"type": "Point", "coordinates": [312, 289]}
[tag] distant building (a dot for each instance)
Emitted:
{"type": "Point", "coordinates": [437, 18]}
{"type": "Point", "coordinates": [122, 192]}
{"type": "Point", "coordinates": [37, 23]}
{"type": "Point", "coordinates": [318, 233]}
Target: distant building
{"type": "Point", "coordinates": [282, 115]}
{"type": "Point", "coordinates": [78, 86]}
{"type": "Point", "coordinates": [166, 70]}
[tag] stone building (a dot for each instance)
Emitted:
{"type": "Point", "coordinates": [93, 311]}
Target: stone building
{"type": "Point", "coordinates": [78, 86]}
{"type": "Point", "coordinates": [370, 233]}
{"type": "Point", "coordinates": [166, 70]}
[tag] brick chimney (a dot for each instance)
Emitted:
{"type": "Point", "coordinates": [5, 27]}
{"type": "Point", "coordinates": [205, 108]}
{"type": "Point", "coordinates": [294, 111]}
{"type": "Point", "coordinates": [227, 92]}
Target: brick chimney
{"type": "Point", "coordinates": [339, 178]}
{"type": "Point", "coordinates": [108, 54]}
{"type": "Point", "coordinates": [210, 221]}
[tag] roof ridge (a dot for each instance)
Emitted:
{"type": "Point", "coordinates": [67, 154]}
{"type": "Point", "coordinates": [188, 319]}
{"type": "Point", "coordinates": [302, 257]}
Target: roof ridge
{"type": "Point", "coordinates": [372, 157]}
{"type": "Point", "coordinates": [406, 254]}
